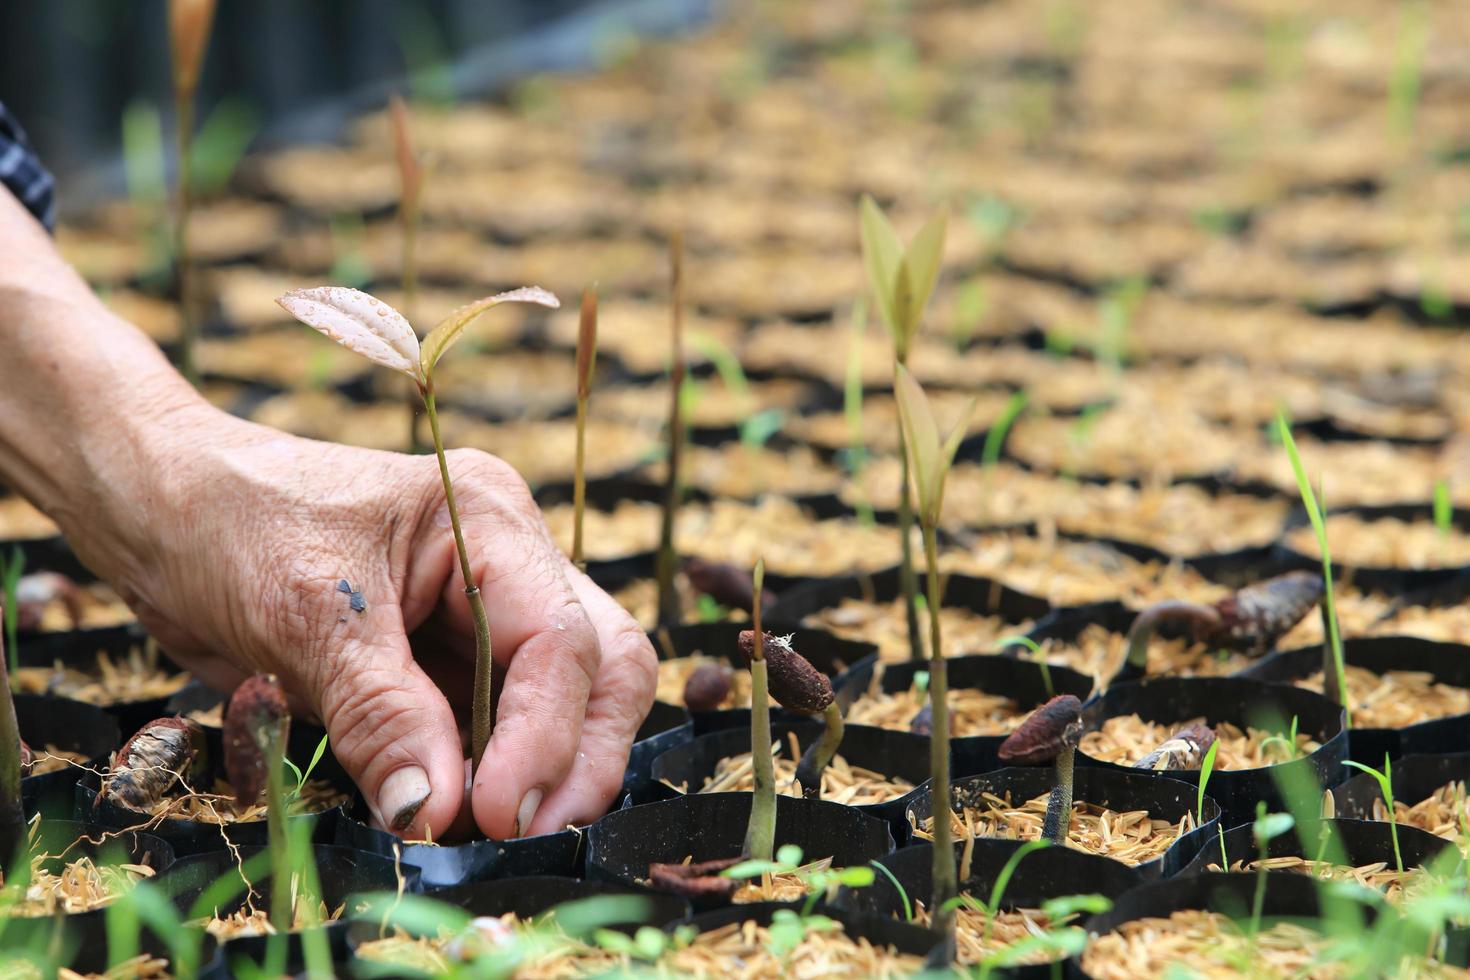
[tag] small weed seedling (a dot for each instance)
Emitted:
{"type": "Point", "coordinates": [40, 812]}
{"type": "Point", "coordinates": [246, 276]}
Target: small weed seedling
{"type": "Point", "coordinates": [1287, 744]}
{"type": "Point", "coordinates": [189, 23]}
{"type": "Point", "coordinates": [1058, 940]}
{"type": "Point", "coordinates": [1040, 655]}
{"type": "Point", "coordinates": [817, 880]}
{"type": "Point", "coordinates": [380, 333]}
{"type": "Point", "coordinates": [1266, 828]}
{"type": "Point", "coordinates": [667, 561]}
{"type": "Point", "coordinates": [1444, 508]}
{"type": "Point", "coordinates": [1334, 669]}
{"type": "Point", "coordinates": [586, 363]}
{"type": "Point", "coordinates": [929, 463]}
{"type": "Point", "coordinates": [1207, 769]}
{"type": "Point", "coordinates": [901, 281]}
{"type": "Point", "coordinates": [1385, 786]}
{"type": "Point", "coordinates": [991, 908]}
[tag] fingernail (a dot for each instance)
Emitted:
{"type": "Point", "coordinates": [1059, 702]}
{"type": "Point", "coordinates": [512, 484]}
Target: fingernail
{"type": "Point", "coordinates": [401, 796]}
{"type": "Point", "coordinates": [529, 804]}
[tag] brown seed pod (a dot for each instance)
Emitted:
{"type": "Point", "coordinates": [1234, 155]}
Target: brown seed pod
{"type": "Point", "coordinates": [1185, 749]}
{"type": "Point", "coordinates": [1042, 736]}
{"type": "Point", "coordinates": [727, 584]}
{"type": "Point", "coordinates": [149, 763]}
{"type": "Point", "coordinates": [707, 688]}
{"type": "Point", "coordinates": [1253, 619]}
{"type": "Point", "coordinates": [700, 880]}
{"type": "Point", "coordinates": [793, 681]}
{"type": "Point", "coordinates": [257, 712]}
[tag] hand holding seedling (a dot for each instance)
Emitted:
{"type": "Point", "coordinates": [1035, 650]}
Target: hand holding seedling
{"type": "Point", "coordinates": [229, 540]}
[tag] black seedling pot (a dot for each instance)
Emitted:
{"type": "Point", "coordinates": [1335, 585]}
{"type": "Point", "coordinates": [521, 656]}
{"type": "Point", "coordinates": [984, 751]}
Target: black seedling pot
{"type": "Point", "coordinates": [980, 595]}
{"type": "Point", "coordinates": [833, 657]}
{"type": "Point", "coordinates": [451, 864]}
{"type": "Point", "coordinates": [527, 898]}
{"type": "Point", "coordinates": [69, 725]}
{"type": "Point", "coordinates": [248, 955]}
{"type": "Point", "coordinates": [197, 837]}
{"type": "Point", "coordinates": [70, 840]}
{"type": "Point", "coordinates": [901, 754]}
{"type": "Point", "coordinates": [341, 872]}
{"type": "Point", "coordinates": [1359, 842]}
{"type": "Point", "coordinates": [665, 727]}
{"type": "Point", "coordinates": [1023, 681]}
{"type": "Point", "coordinates": [1287, 896]}
{"type": "Point", "coordinates": [1167, 700]}
{"type": "Point", "coordinates": [1414, 778]}
{"type": "Point", "coordinates": [1052, 872]}
{"type": "Point", "coordinates": [1449, 663]}
{"type": "Point", "coordinates": [81, 944]}
{"type": "Point", "coordinates": [881, 931]}
{"type": "Point", "coordinates": [79, 649]}
{"type": "Point", "coordinates": [622, 845]}
{"type": "Point", "coordinates": [1124, 792]}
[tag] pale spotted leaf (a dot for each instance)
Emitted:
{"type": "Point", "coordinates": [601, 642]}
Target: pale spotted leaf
{"type": "Point", "coordinates": [452, 327]}
{"type": "Point", "coordinates": [359, 322]}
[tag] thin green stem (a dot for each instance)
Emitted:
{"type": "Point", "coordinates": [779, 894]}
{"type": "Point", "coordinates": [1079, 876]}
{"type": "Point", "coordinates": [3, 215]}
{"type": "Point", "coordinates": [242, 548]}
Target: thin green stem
{"type": "Point", "coordinates": [669, 609]}
{"type": "Point", "coordinates": [760, 832]}
{"type": "Point", "coordinates": [946, 883]}
{"type": "Point", "coordinates": [907, 581]}
{"type": "Point", "coordinates": [183, 201]}
{"type": "Point", "coordinates": [12, 812]}
{"type": "Point", "coordinates": [579, 483]}
{"type": "Point", "coordinates": [279, 846]}
{"type": "Point", "coordinates": [482, 722]}
{"type": "Point", "coordinates": [1059, 804]}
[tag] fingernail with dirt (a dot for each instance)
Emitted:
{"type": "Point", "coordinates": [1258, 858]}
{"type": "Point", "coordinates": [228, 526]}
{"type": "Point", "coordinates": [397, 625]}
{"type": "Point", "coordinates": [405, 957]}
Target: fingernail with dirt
{"type": "Point", "coordinates": [403, 793]}
{"type": "Point", "coordinates": [529, 804]}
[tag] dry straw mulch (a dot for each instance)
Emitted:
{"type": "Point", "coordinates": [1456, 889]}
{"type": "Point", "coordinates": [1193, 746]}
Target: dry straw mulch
{"type": "Point", "coordinates": [220, 807]}
{"type": "Point", "coordinates": [249, 920]}
{"type": "Point", "coordinates": [1444, 813]}
{"type": "Point", "coordinates": [886, 624]}
{"type": "Point", "coordinates": [1132, 837]}
{"type": "Point", "coordinates": [81, 886]}
{"type": "Point", "coordinates": [973, 943]}
{"type": "Point", "coordinates": [1396, 698]}
{"type": "Point", "coordinates": [1379, 876]}
{"type": "Point", "coordinates": [841, 781]}
{"type": "Point", "coordinates": [1100, 652]}
{"type": "Point", "coordinates": [1126, 739]}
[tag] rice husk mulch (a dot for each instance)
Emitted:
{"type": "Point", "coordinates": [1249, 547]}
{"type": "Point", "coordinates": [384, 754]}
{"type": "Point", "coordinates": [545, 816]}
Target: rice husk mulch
{"type": "Point", "coordinates": [842, 782]}
{"type": "Point", "coordinates": [144, 966]}
{"type": "Point", "coordinates": [1444, 813]}
{"type": "Point", "coordinates": [81, 886]}
{"type": "Point", "coordinates": [1379, 876]}
{"type": "Point", "coordinates": [1396, 698]}
{"type": "Point", "coordinates": [53, 759]}
{"type": "Point", "coordinates": [249, 920]}
{"type": "Point", "coordinates": [220, 807]}
{"type": "Point", "coordinates": [886, 624]}
{"type": "Point", "coordinates": [1211, 945]}
{"type": "Point", "coordinates": [137, 677]}
{"type": "Point", "coordinates": [1099, 652]}
{"type": "Point", "coordinates": [1010, 926]}
{"type": "Point", "coordinates": [1128, 738]}
{"type": "Point", "coordinates": [971, 711]}
{"type": "Point", "coordinates": [1133, 837]}
{"type": "Point", "coordinates": [1386, 542]}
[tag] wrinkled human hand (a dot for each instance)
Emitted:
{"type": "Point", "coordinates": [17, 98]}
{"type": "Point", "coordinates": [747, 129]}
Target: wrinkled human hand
{"type": "Point", "coordinates": [235, 554]}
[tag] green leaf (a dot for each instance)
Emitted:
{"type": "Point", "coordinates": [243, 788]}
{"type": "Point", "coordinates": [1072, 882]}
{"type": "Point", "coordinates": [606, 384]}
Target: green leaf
{"type": "Point", "coordinates": [857, 876]}
{"type": "Point", "coordinates": [1271, 825]}
{"type": "Point", "coordinates": [1206, 767]}
{"type": "Point", "coordinates": [996, 437]}
{"type": "Point", "coordinates": [358, 321]}
{"type": "Point", "coordinates": [1444, 508]}
{"type": "Point", "coordinates": [924, 260]}
{"type": "Point", "coordinates": [754, 869]}
{"type": "Point", "coordinates": [758, 429]}
{"type": "Point", "coordinates": [650, 942]}
{"type": "Point", "coordinates": [921, 439]}
{"type": "Point", "coordinates": [453, 326]}
{"type": "Point", "coordinates": [789, 855]}
{"type": "Point", "coordinates": [1060, 908]}
{"type": "Point", "coordinates": [881, 256]}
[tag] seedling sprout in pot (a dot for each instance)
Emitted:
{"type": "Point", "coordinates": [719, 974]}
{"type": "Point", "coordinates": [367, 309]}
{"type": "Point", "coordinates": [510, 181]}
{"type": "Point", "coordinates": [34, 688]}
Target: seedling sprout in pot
{"type": "Point", "coordinates": [378, 332]}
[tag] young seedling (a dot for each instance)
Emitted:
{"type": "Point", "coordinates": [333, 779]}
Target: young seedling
{"type": "Point", "coordinates": [1206, 770]}
{"type": "Point", "coordinates": [1049, 734]}
{"type": "Point", "coordinates": [929, 464]}
{"type": "Point", "coordinates": [586, 361]}
{"type": "Point", "coordinates": [1267, 827]}
{"type": "Point", "coordinates": [901, 281]}
{"type": "Point", "coordinates": [1385, 786]}
{"type": "Point", "coordinates": [666, 561]}
{"type": "Point", "coordinates": [760, 831]}
{"type": "Point", "coordinates": [189, 23]}
{"type": "Point", "coordinates": [410, 189]}
{"type": "Point", "coordinates": [149, 764]}
{"type": "Point", "coordinates": [1444, 508]}
{"type": "Point", "coordinates": [991, 909]}
{"type": "Point", "coordinates": [1249, 621]}
{"type": "Point", "coordinates": [13, 755]}
{"type": "Point", "coordinates": [1287, 743]}
{"type": "Point", "coordinates": [727, 584]}
{"type": "Point", "coordinates": [257, 725]}
{"type": "Point", "coordinates": [818, 881]}
{"type": "Point", "coordinates": [1038, 653]}
{"type": "Point", "coordinates": [798, 686]}
{"type": "Point", "coordinates": [1334, 665]}
{"type": "Point", "coordinates": [10, 573]}
{"type": "Point", "coordinates": [1185, 749]}
{"type": "Point", "coordinates": [374, 329]}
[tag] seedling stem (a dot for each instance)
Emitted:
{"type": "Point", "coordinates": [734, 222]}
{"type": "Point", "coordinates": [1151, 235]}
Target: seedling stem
{"type": "Point", "coordinates": [586, 358]}
{"type": "Point", "coordinates": [667, 562]}
{"type": "Point", "coordinates": [760, 832]}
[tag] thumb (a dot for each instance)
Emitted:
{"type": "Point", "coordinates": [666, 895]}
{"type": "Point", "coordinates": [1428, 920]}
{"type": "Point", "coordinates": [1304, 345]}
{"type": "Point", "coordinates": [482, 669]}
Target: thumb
{"type": "Point", "coordinates": [396, 736]}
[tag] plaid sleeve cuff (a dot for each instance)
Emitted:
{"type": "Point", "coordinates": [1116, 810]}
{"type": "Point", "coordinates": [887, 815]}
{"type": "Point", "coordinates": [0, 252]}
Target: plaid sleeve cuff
{"type": "Point", "coordinates": [22, 173]}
